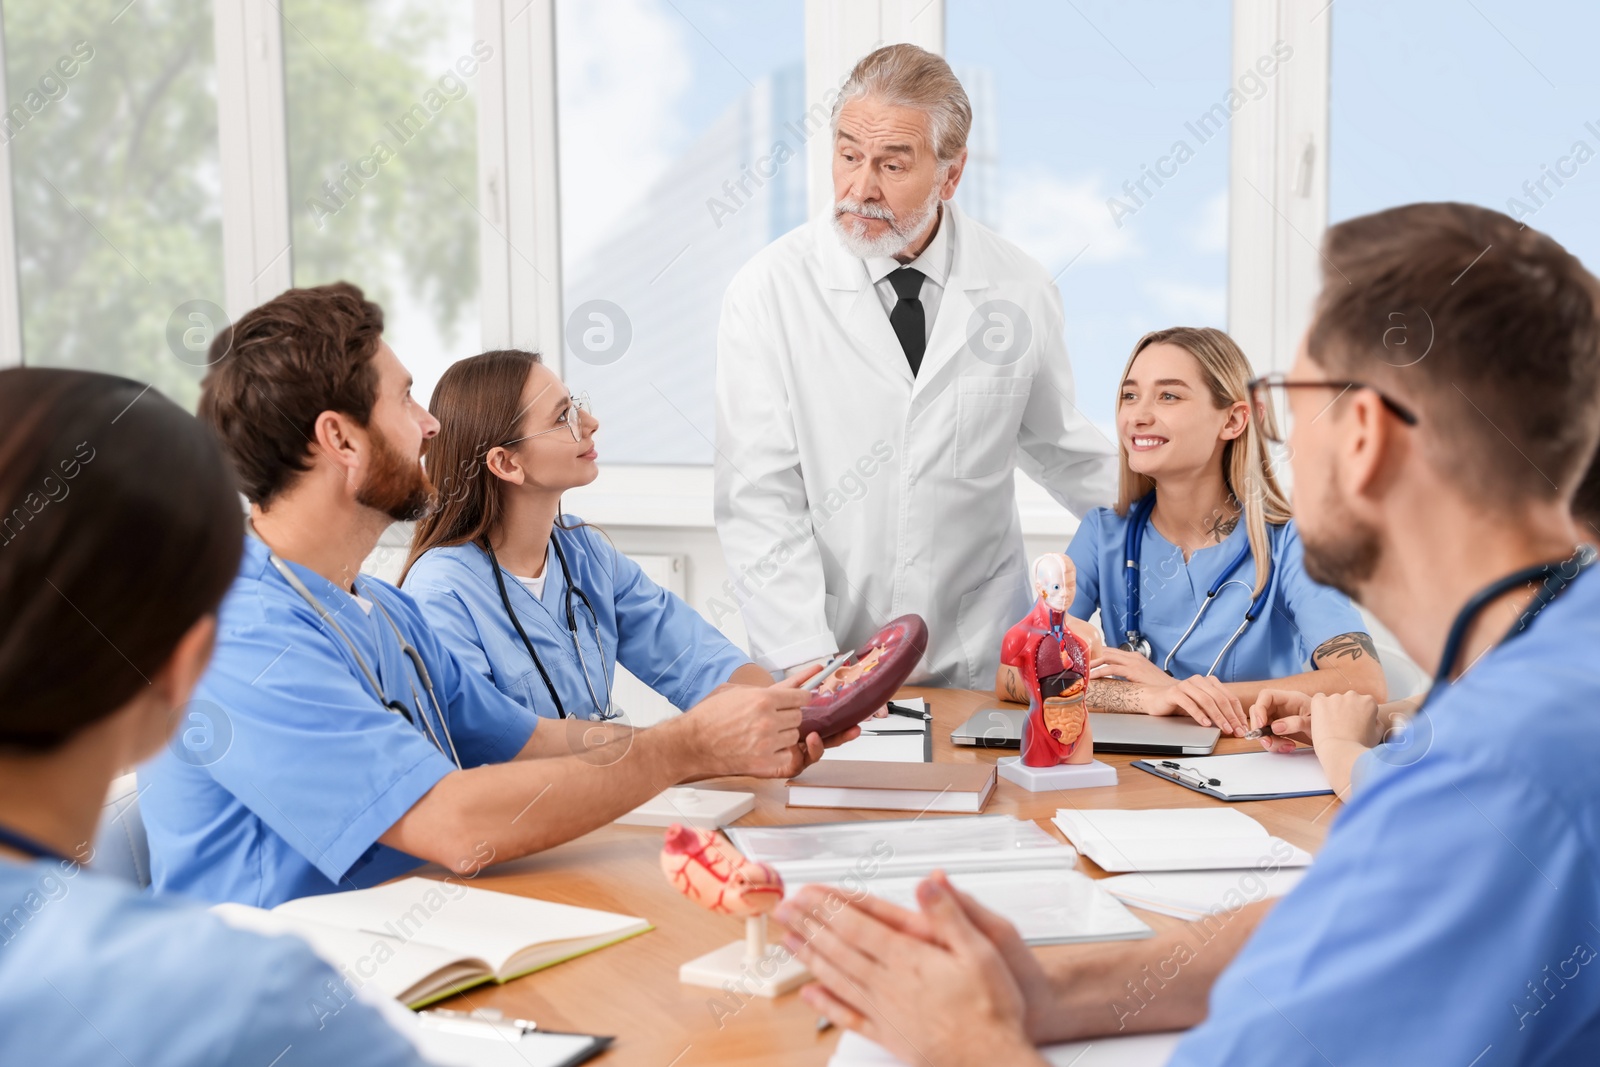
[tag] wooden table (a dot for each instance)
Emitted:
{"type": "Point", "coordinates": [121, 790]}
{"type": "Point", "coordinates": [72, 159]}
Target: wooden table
{"type": "Point", "coordinates": [631, 990]}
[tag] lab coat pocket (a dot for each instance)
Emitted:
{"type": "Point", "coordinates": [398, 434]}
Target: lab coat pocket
{"type": "Point", "coordinates": [988, 415]}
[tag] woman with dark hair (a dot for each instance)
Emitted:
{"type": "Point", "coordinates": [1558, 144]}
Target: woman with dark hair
{"type": "Point", "coordinates": [120, 530]}
{"type": "Point", "coordinates": [511, 441]}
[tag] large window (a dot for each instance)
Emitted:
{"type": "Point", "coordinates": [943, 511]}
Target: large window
{"type": "Point", "coordinates": [382, 139]}
{"type": "Point", "coordinates": [112, 127]}
{"type": "Point", "coordinates": [678, 163]}
{"type": "Point", "coordinates": [1480, 102]}
{"type": "Point", "coordinates": [1100, 146]}
{"type": "Point", "coordinates": [674, 135]}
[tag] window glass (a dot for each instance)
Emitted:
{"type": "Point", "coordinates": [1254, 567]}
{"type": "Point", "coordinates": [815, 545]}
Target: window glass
{"type": "Point", "coordinates": [1100, 146]}
{"type": "Point", "coordinates": [112, 125]}
{"type": "Point", "coordinates": [383, 157]}
{"type": "Point", "coordinates": [1479, 102]}
{"type": "Point", "coordinates": [682, 155]}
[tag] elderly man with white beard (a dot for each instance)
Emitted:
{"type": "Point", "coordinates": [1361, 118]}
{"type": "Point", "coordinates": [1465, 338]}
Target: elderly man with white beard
{"type": "Point", "coordinates": [882, 371]}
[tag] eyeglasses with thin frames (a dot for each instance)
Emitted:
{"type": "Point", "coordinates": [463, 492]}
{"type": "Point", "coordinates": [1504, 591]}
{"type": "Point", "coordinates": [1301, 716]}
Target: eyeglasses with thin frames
{"type": "Point", "coordinates": [571, 420]}
{"type": "Point", "coordinates": [1266, 412]}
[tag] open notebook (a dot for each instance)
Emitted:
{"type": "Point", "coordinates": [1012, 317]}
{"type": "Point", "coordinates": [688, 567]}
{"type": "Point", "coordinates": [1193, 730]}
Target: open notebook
{"type": "Point", "coordinates": [420, 940]}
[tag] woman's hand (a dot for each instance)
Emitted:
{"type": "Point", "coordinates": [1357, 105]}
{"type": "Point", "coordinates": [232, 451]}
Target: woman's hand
{"type": "Point", "coordinates": [1107, 662]}
{"type": "Point", "coordinates": [1203, 698]}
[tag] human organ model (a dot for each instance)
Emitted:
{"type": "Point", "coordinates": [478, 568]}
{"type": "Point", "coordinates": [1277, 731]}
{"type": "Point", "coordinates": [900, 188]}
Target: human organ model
{"type": "Point", "coordinates": [861, 685]}
{"type": "Point", "coordinates": [1054, 664]}
{"type": "Point", "coordinates": [704, 867]}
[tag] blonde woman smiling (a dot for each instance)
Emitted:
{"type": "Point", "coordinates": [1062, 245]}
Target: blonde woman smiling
{"type": "Point", "coordinates": [1217, 605]}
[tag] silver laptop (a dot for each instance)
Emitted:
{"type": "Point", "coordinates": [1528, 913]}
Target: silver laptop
{"type": "Point", "coordinates": [1146, 734]}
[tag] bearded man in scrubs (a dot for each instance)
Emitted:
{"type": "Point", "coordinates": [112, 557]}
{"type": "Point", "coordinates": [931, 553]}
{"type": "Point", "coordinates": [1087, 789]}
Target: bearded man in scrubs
{"type": "Point", "coordinates": [349, 745]}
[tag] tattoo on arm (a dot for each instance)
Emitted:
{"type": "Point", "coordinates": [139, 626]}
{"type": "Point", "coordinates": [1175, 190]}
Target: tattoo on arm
{"type": "Point", "coordinates": [1346, 646]}
{"type": "Point", "coordinates": [1113, 694]}
{"type": "Point", "coordinates": [1015, 691]}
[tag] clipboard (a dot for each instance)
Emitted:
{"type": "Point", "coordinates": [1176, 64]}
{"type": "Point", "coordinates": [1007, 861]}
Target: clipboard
{"type": "Point", "coordinates": [1245, 775]}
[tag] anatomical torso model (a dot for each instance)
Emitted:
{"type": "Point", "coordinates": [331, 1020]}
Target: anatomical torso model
{"type": "Point", "coordinates": [1054, 664]}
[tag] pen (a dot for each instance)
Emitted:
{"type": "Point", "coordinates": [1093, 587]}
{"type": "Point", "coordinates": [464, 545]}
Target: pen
{"type": "Point", "coordinates": [895, 709]}
{"type": "Point", "coordinates": [827, 669]}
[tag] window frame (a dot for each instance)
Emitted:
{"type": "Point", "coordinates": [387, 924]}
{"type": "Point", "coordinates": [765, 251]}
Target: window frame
{"type": "Point", "coordinates": [1277, 200]}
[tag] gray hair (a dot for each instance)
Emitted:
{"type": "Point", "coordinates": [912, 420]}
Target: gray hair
{"type": "Point", "coordinates": [908, 76]}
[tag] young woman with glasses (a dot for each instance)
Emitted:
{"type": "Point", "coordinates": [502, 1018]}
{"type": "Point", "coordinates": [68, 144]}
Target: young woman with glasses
{"type": "Point", "coordinates": [540, 602]}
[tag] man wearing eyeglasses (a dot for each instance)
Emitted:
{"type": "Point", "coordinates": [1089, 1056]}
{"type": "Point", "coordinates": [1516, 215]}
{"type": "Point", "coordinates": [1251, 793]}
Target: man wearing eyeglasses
{"type": "Point", "coordinates": [1453, 914]}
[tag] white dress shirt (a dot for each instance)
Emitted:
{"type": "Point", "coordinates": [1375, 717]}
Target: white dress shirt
{"type": "Point", "coordinates": [934, 263]}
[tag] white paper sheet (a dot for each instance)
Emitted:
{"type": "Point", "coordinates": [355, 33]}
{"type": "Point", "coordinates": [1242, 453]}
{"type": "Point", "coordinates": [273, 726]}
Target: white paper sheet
{"type": "Point", "coordinates": [1048, 907]}
{"type": "Point", "coordinates": [1175, 839]}
{"type": "Point", "coordinates": [1134, 1050]}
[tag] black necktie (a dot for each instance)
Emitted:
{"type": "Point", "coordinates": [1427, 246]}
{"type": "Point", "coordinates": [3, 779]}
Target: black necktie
{"type": "Point", "coordinates": [907, 318]}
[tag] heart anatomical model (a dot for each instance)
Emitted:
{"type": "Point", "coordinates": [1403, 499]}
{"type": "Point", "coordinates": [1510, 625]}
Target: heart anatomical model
{"type": "Point", "coordinates": [706, 868]}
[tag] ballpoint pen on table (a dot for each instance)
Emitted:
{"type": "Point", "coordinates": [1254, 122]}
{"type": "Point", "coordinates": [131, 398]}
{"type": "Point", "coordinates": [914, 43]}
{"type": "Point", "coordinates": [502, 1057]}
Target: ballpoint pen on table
{"type": "Point", "coordinates": [894, 709]}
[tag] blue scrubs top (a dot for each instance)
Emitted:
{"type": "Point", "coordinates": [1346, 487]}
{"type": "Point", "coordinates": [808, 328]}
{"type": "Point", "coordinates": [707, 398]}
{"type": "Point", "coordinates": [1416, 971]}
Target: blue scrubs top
{"type": "Point", "coordinates": [1297, 616]}
{"type": "Point", "coordinates": [1453, 915]}
{"type": "Point", "coordinates": [660, 639]}
{"type": "Point", "coordinates": [93, 971]}
{"type": "Point", "coordinates": [287, 769]}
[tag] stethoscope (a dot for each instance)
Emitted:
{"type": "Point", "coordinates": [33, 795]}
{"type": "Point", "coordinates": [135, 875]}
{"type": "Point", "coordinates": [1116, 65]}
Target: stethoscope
{"type": "Point", "coordinates": [601, 711]}
{"type": "Point", "coordinates": [410, 651]}
{"type": "Point", "coordinates": [1557, 577]}
{"type": "Point", "coordinates": [1132, 543]}
{"type": "Point", "coordinates": [31, 848]}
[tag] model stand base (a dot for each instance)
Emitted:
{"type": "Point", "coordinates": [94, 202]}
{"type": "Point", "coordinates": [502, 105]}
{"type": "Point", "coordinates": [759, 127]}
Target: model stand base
{"type": "Point", "coordinates": [731, 967]}
{"type": "Point", "coordinates": [1061, 776]}
{"type": "Point", "coordinates": [704, 809]}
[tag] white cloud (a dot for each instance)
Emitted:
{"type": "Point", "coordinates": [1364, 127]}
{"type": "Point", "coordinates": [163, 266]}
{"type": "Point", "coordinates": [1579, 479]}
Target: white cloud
{"type": "Point", "coordinates": [1210, 232]}
{"type": "Point", "coordinates": [1054, 219]}
{"type": "Point", "coordinates": [1189, 304]}
{"type": "Point", "coordinates": [623, 70]}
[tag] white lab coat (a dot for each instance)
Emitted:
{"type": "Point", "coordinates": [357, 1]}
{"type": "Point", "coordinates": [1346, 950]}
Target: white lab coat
{"type": "Point", "coordinates": [849, 492]}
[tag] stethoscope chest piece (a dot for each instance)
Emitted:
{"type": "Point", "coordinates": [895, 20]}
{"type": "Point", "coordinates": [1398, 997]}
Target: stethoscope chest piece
{"type": "Point", "coordinates": [1138, 644]}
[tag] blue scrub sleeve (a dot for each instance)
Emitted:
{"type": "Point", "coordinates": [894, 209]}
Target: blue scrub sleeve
{"type": "Point", "coordinates": [1085, 552]}
{"type": "Point", "coordinates": [312, 752]}
{"type": "Point", "coordinates": [1317, 612]}
{"type": "Point", "coordinates": [1440, 894]}
{"type": "Point", "coordinates": [487, 725]}
{"type": "Point", "coordinates": [663, 641]}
